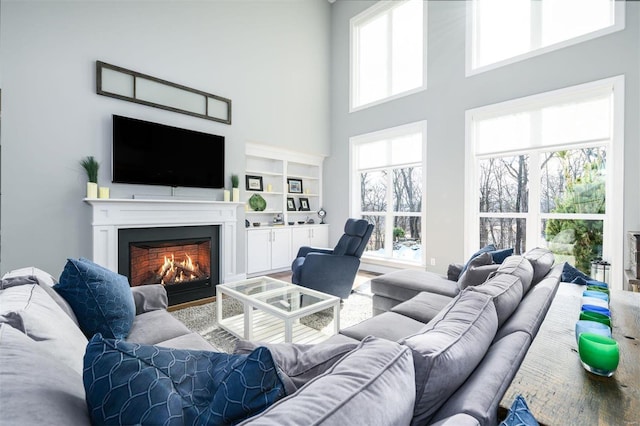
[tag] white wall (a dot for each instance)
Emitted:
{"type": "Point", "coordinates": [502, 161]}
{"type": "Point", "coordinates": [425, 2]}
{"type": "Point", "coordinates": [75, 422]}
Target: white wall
{"type": "Point", "coordinates": [269, 57]}
{"type": "Point", "coordinates": [449, 93]}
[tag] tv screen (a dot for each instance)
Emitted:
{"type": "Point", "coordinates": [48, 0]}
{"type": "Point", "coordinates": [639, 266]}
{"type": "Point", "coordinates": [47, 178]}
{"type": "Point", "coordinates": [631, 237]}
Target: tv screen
{"type": "Point", "coordinates": [154, 154]}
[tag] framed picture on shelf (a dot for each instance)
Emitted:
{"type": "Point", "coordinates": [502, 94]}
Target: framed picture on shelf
{"type": "Point", "coordinates": [295, 185]}
{"type": "Point", "coordinates": [304, 205]}
{"type": "Point", "coordinates": [291, 204]}
{"type": "Point", "coordinates": [254, 183]}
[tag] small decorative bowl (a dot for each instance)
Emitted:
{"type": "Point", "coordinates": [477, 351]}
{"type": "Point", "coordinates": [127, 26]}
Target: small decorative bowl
{"type": "Point", "coordinates": [594, 301]}
{"type": "Point", "coordinates": [596, 294]}
{"type": "Point", "coordinates": [598, 288]}
{"type": "Point", "coordinates": [595, 316]}
{"type": "Point", "coordinates": [599, 354]}
{"type": "Point", "coordinates": [598, 309]}
{"type": "Point", "coordinates": [586, 326]}
{"type": "Point", "coordinates": [256, 223]}
{"type": "Point", "coordinates": [291, 223]}
{"type": "Point", "coordinates": [301, 222]}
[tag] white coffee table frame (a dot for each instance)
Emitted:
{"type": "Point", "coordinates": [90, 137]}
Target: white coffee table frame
{"type": "Point", "coordinates": [265, 322]}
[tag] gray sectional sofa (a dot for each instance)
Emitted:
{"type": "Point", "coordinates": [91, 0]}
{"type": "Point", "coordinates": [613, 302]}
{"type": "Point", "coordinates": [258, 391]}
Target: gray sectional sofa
{"type": "Point", "coordinates": [469, 370]}
{"type": "Point", "coordinates": [432, 358]}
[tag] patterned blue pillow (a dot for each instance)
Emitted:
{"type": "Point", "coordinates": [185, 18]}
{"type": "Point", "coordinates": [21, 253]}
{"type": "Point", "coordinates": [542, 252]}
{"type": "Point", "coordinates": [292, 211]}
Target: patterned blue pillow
{"type": "Point", "coordinates": [100, 298]}
{"type": "Point", "coordinates": [130, 383]}
{"type": "Point", "coordinates": [519, 414]}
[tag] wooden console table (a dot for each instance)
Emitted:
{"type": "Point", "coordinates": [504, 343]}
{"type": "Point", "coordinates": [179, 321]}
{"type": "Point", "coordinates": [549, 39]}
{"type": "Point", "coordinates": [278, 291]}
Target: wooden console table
{"type": "Point", "coordinates": [558, 390]}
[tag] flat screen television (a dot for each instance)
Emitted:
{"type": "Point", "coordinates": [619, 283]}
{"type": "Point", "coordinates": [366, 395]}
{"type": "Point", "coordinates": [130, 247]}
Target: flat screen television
{"type": "Point", "coordinates": [155, 154]}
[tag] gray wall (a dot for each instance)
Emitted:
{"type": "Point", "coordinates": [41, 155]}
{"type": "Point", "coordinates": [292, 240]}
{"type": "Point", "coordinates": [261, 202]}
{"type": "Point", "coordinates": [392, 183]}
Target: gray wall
{"type": "Point", "coordinates": [449, 93]}
{"type": "Point", "coordinates": [270, 57]}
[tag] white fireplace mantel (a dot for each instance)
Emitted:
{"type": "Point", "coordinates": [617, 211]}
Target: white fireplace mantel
{"type": "Point", "coordinates": [110, 215]}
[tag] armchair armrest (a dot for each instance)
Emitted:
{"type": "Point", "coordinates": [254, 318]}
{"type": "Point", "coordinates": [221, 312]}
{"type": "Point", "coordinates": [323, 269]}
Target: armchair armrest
{"type": "Point", "coordinates": [152, 297]}
{"type": "Point", "coordinates": [305, 250]}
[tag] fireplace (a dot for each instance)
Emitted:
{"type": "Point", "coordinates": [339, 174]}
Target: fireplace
{"type": "Point", "coordinates": [185, 259]}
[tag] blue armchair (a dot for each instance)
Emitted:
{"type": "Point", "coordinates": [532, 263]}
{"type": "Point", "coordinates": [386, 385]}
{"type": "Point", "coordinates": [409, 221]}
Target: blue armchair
{"type": "Point", "coordinates": [333, 271]}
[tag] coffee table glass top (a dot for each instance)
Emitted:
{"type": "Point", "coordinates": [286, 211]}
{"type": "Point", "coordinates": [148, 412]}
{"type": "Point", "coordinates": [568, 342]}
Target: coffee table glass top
{"type": "Point", "coordinates": [288, 300]}
{"type": "Point", "coordinates": [255, 286]}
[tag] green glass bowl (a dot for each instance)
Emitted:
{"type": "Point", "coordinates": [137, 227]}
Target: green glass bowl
{"type": "Point", "coordinates": [597, 288]}
{"type": "Point", "coordinates": [595, 316]}
{"type": "Point", "coordinates": [599, 354]}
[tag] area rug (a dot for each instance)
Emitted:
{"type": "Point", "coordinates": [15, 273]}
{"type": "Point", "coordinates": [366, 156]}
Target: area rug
{"type": "Point", "coordinates": [202, 319]}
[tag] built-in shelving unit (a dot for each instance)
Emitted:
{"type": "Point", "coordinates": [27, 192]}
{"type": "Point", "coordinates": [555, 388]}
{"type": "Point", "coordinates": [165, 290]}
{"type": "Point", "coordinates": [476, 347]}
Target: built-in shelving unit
{"type": "Point", "coordinates": [272, 247]}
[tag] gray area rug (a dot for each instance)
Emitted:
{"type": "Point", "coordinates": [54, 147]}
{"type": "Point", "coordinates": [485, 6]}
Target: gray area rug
{"type": "Point", "coordinates": [202, 319]}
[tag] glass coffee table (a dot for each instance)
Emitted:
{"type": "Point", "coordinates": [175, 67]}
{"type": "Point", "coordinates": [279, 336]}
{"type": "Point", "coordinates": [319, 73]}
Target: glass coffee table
{"type": "Point", "coordinates": [272, 310]}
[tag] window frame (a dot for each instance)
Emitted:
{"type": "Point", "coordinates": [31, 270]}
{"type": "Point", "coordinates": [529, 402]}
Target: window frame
{"type": "Point", "coordinates": [382, 7]}
{"type": "Point", "coordinates": [354, 188]}
{"type": "Point", "coordinates": [470, 45]}
{"type": "Point", "coordinates": [612, 248]}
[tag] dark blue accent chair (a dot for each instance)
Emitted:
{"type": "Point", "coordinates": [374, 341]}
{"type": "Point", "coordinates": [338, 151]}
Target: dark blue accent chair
{"type": "Point", "coordinates": [333, 271]}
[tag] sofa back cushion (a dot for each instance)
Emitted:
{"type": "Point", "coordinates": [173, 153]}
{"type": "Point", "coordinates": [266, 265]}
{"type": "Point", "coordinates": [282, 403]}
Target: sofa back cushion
{"type": "Point", "coordinates": [374, 384]}
{"type": "Point", "coordinates": [36, 388]}
{"type": "Point", "coordinates": [506, 291]}
{"type": "Point", "coordinates": [30, 310]}
{"type": "Point", "coordinates": [542, 260]}
{"type": "Point", "coordinates": [448, 349]}
{"type": "Point", "coordinates": [100, 298]}
{"type": "Point", "coordinates": [519, 267]}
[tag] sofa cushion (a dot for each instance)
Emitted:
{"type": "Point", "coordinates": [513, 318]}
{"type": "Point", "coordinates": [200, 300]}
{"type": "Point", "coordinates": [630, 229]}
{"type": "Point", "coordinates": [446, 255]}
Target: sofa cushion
{"type": "Point", "coordinates": [154, 327]}
{"type": "Point", "coordinates": [423, 307]}
{"type": "Point", "coordinates": [36, 388]}
{"type": "Point", "coordinates": [371, 385]}
{"type": "Point", "coordinates": [542, 260]}
{"type": "Point", "coordinates": [485, 249]}
{"type": "Point", "coordinates": [406, 283]}
{"type": "Point", "coordinates": [299, 362]}
{"type": "Point", "coordinates": [100, 298]}
{"type": "Point", "coordinates": [506, 291]}
{"type": "Point", "coordinates": [390, 326]}
{"type": "Point", "coordinates": [518, 266]}
{"type": "Point", "coordinates": [128, 383]}
{"type": "Point", "coordinates": [478, 271]}
{"type": "Point", "coordinates": [46, 281]}
{"type": "Point", "coordinates": [570, 273]}
{"type": "Point", "coordinates": [533, 308]}
{"type": "Point", "coordinates": [484, 389]}
{"type": "Point", "coordinates": [448, 349]}
{"type": "Point", "coordinates": [29, 309]}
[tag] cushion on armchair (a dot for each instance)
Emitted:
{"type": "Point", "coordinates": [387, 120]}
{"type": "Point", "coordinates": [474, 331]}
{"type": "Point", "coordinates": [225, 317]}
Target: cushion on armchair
{"type": "Point", "coordinates": [354, 231]}
{"type": "Point", "coordinates": [100, 298]}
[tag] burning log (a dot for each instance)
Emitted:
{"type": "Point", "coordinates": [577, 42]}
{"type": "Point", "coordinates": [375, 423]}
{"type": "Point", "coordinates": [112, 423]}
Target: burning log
{"type": "Point", "coordinates": [172, 271]}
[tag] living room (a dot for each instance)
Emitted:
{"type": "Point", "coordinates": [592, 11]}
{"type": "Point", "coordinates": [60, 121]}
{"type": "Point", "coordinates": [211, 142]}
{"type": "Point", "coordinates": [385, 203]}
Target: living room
{"type": "Point", "coordinates": [285, 66]}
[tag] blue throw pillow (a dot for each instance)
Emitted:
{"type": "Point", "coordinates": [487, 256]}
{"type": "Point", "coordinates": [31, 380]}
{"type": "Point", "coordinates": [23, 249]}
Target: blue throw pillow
{"type": "Point", "coordinates": [130, 383]}
{"type": "Point", "coordinates": [519, 414]}
{"type": "Point", "coordinates": [487, 248]}
{"type": "Point", "coordinates": [570, 273]}
{"type": "Point", "coordinates": [100, 298]}
{"type": "Point", "coordinates": [499, 256]}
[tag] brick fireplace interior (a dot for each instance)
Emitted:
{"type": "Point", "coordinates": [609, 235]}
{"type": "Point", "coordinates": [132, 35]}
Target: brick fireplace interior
{"type": "Point", "coordinates": [184, 259]}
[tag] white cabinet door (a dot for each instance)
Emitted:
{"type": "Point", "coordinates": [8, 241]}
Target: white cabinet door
{"type": "Point", "coordinates": [258, 250]}
{"type": "Point", "coordinates": [313, 236]}
{"type": "Point", "coordinates": [281, 256]}
{"type": "Point", "coordinates": [319, 236]}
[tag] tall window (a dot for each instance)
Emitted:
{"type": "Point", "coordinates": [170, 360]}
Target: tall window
{"type": "Point", "coordinates": [387, 182]}
{"type": "Point", "coordinates": [505, 29]}
{"type": "Point", "coordinates": [386, 51]}
{"type": "Point", "coordinates": [546, 171]}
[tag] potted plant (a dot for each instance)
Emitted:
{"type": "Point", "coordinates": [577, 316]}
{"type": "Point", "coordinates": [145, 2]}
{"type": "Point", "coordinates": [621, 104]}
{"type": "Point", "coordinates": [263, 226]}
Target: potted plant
{"type": "Point", "coordinates": [91, 166]}
{"type": "Point", "coordinates": [235, 181]}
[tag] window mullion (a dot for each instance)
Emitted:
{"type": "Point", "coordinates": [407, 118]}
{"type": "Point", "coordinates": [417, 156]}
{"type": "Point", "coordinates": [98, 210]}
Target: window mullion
{"type": "Point", "coordinates": [389, 46]}
{"type": "Point", "coordinates": [536, 24]}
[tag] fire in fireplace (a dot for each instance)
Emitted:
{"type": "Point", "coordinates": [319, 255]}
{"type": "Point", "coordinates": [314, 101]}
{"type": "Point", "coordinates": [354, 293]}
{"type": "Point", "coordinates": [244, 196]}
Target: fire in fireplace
{"type": "Point", "coordinates": [183, 259]}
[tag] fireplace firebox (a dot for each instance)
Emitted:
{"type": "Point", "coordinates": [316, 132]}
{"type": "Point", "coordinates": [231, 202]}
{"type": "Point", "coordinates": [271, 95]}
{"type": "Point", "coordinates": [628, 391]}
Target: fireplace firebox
{"type": "Point", "coordinates": [185, 259]}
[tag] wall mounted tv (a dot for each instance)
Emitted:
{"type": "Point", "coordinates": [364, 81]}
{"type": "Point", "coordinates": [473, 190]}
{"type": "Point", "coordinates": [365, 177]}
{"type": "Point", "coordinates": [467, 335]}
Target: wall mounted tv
{"type": "Point", "coordinates": [155, 154]}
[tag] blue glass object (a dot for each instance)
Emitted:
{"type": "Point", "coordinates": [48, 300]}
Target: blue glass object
{"type": "Point", "coordinates": [585, 326]}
